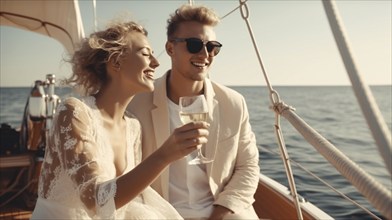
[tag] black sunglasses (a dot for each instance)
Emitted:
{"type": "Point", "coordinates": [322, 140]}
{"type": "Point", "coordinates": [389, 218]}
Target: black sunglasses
{"type": "Point", "coordinates": [195, 45]}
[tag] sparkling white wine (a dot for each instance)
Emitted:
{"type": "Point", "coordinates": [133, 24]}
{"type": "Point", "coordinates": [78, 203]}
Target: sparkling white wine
{"type": "Point", "coordinates": [193, 117]}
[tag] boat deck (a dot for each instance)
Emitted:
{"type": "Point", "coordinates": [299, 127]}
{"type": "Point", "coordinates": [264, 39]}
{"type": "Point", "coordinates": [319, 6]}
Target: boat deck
{"type": "Point", "coordinates": [272, 200]}
{"type": "Point", "coordinates": [16, 178]}
{"type": "Point", "coordinates": [16, 209]}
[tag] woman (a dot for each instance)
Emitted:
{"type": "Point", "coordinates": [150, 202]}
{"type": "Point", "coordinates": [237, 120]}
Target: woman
{"type": "Point", "coordinates": [92, 166]}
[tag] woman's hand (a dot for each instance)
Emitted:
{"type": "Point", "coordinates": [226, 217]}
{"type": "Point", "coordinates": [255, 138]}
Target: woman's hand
{"type": "Point", "coordinates": [184, 140]}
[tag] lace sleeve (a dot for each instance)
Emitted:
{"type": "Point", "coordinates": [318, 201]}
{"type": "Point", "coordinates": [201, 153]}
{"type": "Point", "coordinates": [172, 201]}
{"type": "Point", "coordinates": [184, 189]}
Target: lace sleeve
{"type": "Point", "coordinates": [79, 151]}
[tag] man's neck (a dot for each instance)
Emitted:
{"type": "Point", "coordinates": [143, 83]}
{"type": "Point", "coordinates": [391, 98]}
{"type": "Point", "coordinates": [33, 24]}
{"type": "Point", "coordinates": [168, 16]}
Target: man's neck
{"type": "Point", "coordinates": [178, 88]}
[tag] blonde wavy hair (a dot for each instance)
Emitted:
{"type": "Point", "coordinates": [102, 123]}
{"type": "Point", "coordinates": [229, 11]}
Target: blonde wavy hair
{"type": "Point", "coordinates": [89, 61]}
{"type": "Point", "coordinates": [186, 13]}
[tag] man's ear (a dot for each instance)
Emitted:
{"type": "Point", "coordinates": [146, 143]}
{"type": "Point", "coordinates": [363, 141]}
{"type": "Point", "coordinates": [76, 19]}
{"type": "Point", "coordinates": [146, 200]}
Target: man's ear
{"type": "Point", "coordinates": [169, 48]}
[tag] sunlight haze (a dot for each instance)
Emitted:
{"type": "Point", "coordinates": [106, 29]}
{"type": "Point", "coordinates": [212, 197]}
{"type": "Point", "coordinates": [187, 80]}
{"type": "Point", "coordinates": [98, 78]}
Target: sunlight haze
{"type": "Point", "coordinates": [293, 37]}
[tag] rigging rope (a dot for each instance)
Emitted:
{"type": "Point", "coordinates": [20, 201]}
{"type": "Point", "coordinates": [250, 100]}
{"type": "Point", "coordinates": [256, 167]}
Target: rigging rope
{"type": "Point", "coordinates": [95, 15]}
{"type": "Point", "coordinates": [372, 113]}
{"type": "Point", "coordinates": [221, 18]}
{"type": "Point", "coordinates": [274, 98]}
{"type": "Point", "coordinates": [327, 184]}
{"type": "Point", "coordinates": [376, 193]}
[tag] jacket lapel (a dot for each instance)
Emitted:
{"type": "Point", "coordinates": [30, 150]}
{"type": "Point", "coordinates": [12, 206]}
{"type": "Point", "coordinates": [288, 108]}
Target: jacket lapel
{"type": "Point", "coordinates": [161, 123]}
{"type": "Point", "coordinates": [213, 119]}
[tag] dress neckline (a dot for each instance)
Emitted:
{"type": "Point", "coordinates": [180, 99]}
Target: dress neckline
{"type": "Point", "coordinates": [91, 101]}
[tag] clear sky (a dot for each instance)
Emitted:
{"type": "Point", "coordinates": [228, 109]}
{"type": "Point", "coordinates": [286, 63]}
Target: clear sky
{"type": "Point", "coordinates": [293, 36]}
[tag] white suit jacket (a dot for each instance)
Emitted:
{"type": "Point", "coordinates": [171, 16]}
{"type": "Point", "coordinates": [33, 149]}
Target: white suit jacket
{"type": "Point", "coordinates": [234, 173]}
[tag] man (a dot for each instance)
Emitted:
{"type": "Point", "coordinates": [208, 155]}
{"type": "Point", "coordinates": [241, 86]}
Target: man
{"type": "Point", "coordinates": [224, 188]}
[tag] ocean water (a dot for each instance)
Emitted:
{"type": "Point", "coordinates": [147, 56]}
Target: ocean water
{"type": "Point", "coordinates": [334, 112]}
{"type": "Point", "coordinates": [331, 110]}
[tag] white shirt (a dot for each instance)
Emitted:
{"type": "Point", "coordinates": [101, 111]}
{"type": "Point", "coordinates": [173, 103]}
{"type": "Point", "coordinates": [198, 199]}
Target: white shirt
{"type": "Point", "coordinates": [189, 190]}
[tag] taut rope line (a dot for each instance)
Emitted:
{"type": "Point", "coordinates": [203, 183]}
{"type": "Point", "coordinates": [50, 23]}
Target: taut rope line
{"type": "Point", "coordinates": [372, 113]}
{"type": "Point", "coordinates": [275, 100]}
{"type": "Point", "coordinates": [376, 193]}
{"type": "Point", "coordinates": [326, 184]}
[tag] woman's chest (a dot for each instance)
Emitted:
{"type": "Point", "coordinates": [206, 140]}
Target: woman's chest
{"type": "Point", "coordinates": [115, 147]}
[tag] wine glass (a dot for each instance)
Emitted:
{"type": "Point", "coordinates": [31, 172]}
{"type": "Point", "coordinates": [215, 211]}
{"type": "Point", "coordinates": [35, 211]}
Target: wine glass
{"type": "Point", "coordinates": [192, 109]}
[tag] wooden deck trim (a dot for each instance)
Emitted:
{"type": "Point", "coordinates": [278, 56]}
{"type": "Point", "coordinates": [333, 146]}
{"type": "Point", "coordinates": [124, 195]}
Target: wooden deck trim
{"type": "Point", "coordinates": [271, 204]}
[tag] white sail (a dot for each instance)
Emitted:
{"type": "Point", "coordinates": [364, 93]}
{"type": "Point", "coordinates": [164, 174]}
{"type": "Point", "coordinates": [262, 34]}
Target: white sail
{"type": "Point", "coordinates": [60, 20]}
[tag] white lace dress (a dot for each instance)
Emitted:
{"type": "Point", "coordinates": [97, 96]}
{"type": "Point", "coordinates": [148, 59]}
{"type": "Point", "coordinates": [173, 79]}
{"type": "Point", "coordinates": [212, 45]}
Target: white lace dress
{"type": "Point", "coordinates": [78, 177]}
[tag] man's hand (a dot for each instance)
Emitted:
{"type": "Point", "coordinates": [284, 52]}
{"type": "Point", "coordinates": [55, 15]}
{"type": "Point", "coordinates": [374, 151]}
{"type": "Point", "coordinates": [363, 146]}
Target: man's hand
{"type": "Point", "coordinates": [219, 212]}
